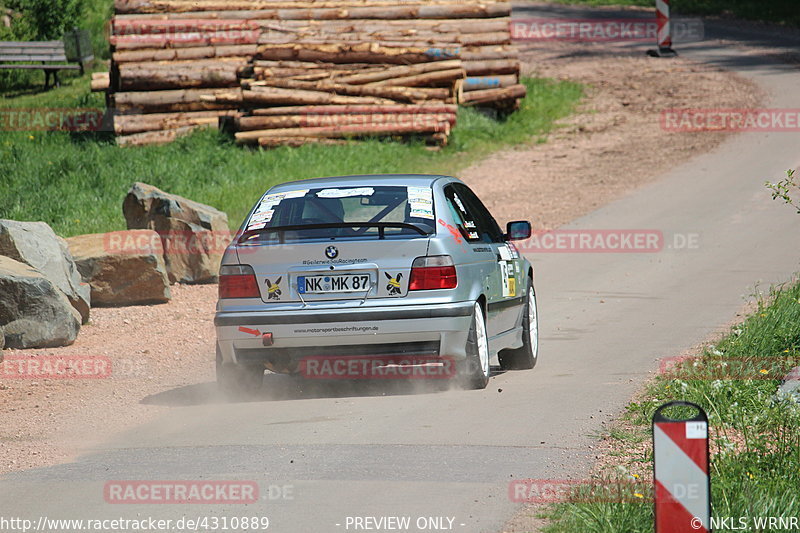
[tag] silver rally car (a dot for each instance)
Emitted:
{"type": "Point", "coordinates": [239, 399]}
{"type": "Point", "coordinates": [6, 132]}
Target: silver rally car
{"type": "Point", "coordinates": [387, 267]}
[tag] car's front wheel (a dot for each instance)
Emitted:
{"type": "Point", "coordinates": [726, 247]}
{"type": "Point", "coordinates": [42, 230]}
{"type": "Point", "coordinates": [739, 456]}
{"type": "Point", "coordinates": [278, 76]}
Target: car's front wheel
{"type": "Point", "coordinates": [238, 381]}
{"type": "Point", "coordinates": [526, 356]}
{"type": "Point", "coordinates": [475, 368]}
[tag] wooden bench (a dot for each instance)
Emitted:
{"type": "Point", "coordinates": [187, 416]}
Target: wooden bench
{"type": "Point", "coordinates": [52, 55]}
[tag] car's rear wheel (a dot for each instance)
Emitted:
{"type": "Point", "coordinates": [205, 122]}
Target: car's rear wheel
{"type": "Point", "coordinates": [238, 381]}
{"type": "Point", "coordinates": [526, 356]}
{"type": "Point", "coordinates": [475, 368]}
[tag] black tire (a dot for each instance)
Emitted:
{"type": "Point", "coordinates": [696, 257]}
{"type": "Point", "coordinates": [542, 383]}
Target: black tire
{"type": "Point", "coordinates": [525, 357]}
{"type": "Point", "coordinates": [238, 382]}
{"type": "Point", "coordinates": [474, 371]}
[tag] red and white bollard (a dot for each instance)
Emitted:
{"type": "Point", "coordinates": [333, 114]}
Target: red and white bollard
{"type": "Point", "coordinates": [680, 462]}
{"type": "Point", "coordinates": [664, 35]}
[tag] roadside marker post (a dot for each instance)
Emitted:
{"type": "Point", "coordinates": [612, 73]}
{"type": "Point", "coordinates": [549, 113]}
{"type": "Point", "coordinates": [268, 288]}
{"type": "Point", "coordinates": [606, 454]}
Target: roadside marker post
{"type": "Point", "coordinates": [682, 486]}
{"type": "Point", "coordinates": [664, 35]}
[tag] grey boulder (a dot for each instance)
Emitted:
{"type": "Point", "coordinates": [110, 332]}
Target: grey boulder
{"type": "Point", "coordinates": [194, 235]}
{"type": "Point", "coordinates": [36, 245]}
{"type": "Point", "coordinates": [33, 312]}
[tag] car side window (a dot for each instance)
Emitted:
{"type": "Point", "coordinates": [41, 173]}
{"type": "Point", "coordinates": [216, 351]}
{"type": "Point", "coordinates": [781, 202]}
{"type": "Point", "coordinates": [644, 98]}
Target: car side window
{"type": "Point", "coordinates": [487, 226]}
{"type": "Point", "coordinates": [465, 219]}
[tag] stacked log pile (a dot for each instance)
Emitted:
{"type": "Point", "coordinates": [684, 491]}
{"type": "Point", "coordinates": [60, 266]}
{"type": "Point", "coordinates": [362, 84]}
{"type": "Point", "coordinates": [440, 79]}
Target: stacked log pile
{"type": "Point", "coordinates": [294, 71]}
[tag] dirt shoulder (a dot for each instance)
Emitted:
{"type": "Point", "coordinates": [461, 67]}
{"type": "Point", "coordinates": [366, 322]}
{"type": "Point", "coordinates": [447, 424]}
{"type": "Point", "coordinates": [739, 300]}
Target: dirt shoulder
{"type": "Point", "coordinates": [611, 146]}
{"type": "Point", "coordinates": [615, 142]}
{"type": "Point", "coordinates": [152, 349]}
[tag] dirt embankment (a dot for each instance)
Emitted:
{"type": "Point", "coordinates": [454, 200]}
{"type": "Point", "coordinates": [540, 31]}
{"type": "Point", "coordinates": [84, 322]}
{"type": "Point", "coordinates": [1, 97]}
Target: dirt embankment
{"type": "Point", "coordinates": [615, 142]}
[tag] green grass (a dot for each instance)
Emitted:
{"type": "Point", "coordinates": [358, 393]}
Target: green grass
{"type": "Point", "coordinates": [761, 476]}
{"type": "Point", "coordinates": [76, 182]}
{"type": "Point", "coordinates": [778, 11]}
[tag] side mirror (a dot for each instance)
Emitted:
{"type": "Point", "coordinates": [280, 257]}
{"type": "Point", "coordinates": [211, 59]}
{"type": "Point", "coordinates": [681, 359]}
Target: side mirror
{"type": "Point", "coordinates": [518, 230]}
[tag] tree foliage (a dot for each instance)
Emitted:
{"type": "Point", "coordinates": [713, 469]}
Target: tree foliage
{"type": "Point", "coordinates": [787, 189]}
{"type": "Point", "coordinates": [37, 20]}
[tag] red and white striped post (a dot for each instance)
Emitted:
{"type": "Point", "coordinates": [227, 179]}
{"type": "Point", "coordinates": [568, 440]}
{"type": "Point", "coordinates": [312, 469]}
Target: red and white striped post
{"type": "Point", "coordinates": [682, 491]}
{"type": "Point", "coordinates": [664, 31]}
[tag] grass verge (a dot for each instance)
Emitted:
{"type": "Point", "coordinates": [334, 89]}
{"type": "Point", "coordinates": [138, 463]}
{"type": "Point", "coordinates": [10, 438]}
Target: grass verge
{"type": "Point", "coordinates": [777, 11]}
{"type": "Point", "coordinates": [76, 182]}
{"type": "Point", "coordinates": [755, 434]}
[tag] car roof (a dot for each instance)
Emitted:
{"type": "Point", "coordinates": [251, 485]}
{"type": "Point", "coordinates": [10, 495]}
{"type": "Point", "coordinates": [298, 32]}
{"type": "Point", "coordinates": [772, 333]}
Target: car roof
{"type": "Point", "coordinates": [418, 180]}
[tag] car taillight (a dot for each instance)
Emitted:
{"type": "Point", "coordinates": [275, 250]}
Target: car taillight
{"type": "Point", "coordinates": [238, 281]}
{"type": "Point", "coordinates": [432, 272]}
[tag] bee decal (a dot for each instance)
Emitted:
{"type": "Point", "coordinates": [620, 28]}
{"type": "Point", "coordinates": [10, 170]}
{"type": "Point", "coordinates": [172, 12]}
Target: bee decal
{"type": "Point", "coordinates": [273, 289]}
{"type": "Point", "coordinates": [394, 283]}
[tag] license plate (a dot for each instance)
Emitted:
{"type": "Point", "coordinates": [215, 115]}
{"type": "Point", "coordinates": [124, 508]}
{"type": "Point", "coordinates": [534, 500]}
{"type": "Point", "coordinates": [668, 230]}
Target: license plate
{"type": "Point", "coordinates": [327, 284]}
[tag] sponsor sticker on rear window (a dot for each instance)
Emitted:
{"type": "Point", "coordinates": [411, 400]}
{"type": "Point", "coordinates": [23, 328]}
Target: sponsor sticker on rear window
{"type": "Point", "coordinates": [345, 193]}
{"type": "Point", "coordinates": [420, 202]}
{"type": "Point", "coordinates": [266, 208]}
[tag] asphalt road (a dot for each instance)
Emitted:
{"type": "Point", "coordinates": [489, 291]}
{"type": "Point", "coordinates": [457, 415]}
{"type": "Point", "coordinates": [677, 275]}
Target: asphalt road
{"type": "Point", "coordinates": [605, 320]}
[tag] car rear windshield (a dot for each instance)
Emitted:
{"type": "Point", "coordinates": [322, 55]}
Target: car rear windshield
{"type": "Point", "coordinates": [342, 212]}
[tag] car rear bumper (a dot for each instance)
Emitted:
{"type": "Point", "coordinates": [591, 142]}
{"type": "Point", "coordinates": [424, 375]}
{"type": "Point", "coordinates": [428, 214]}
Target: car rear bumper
{"type": "Point", "coordinates": [415, 330]}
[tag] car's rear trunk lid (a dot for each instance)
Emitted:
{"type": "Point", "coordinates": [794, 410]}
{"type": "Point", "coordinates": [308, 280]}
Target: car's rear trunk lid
{"type": "Point", "coordinates": [329, 270]}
